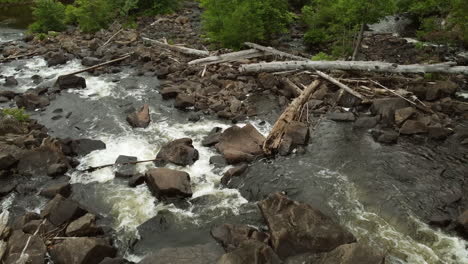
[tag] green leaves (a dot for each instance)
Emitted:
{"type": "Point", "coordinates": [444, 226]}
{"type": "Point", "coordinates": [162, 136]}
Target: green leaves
{"type": "Point", "coordinates": [49, 15]}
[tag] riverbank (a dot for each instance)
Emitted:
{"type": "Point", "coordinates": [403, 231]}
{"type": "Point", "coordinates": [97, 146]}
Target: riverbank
{"type": "Point", "coordinates": [382, 170]}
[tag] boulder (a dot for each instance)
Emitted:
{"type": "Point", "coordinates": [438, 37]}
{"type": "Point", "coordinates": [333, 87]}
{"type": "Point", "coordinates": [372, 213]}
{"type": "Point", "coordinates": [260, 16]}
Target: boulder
{"type": "Point", "coordinates": [403, 114]}
{"type": "Point", "coordinates": [57, 169]}
{"type": "Point", "coordinates": [298, 228]}
{"type": "Point", "coordinates": [184, 101]}
{"type": "Point", "coordinates": [213, 137]}
{"type": "Point", "coordinates": [83, 226]}
{"type": "Point", "coordinates": [346, 99]}
{"type": "Point", "coordinates": [81, 250]}
{"type": "Point", "coordinates": [85, 146]}
{"type": "Point", "coordinates": [232, 236]}
{"type": "Point", "coordinates": [170, 92]}
{"type": "Point", "coordinates": [166, 183]}
{"type": "Point", "coordinates": [180, 152]}
{"type": "Point", "coordinates": [296, 134]}
{"type": "Point", "coordinates": [386, 107]}
{"type": "Point", "coordinates": [218, 161]}
{"type": "Point", "coordinates": [136, 180]}
{"type": "Point", "coordinates": [251, 252]}
{"type": "Point", "coordinates": [31, 101]}
{"type": "Point", "coordinates": [90, 61]}
{"type": "Point", "coordinates": [431, 91]}
{"type": "Point", "coordinates": [70, 81]}
{"type": "Point", "coordinates": [64, 189]}
{"type": "Point", "coordinates": [240, 144]}
{"type": "Point", "coordinates": [197, 254]}
{"type": "Point", "coordinates": [343, 117]}
{"type": "Point", "coordinates": [10, 81]}
{"type": "Point", "coordinates": [411, 127]}
{"type": "Point", "coordinates": [56, 58]}
{"type": "Point", "coordinates": [61, 210]}
{"type": "Point", "coordinates": [7, 161]}
{"type": "Point", "coordinates": [234, 172]}
{"type": "Point", "coordinates": [366, 122]}
{"type": "Point", "coordinates": [439, 133]}
{"type": "Point", "coordinates": [21, 221]}
{"type": "Point", "coordinates": [39, 161]}
{"type": "Point", "coordinates": [140, 118]}
{"type": "Point", "coordinates": [35, 252]}
{"type": "Point", "coordinates": [125, 170]}
{"type": "Point", "coordinates": [385, 136]}
{"type": "Point", "coordinates": [41, 226]}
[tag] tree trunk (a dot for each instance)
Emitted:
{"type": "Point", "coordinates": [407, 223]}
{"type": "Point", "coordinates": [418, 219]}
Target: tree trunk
{"type": "Point", "coordinates": [188, 51]}
{"type": "Point", "coordinates": [233, 56]}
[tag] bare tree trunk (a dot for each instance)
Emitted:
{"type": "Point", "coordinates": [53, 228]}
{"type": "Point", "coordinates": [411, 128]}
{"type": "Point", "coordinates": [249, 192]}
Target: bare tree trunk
{"type": "Point", "coordinates": [188, 51]}
{"type": "Point", "coordinates": [359, 41]}
{"type": "Point", "coordinates": [233, 56]}
{"type": "Point", "coordinates": [274, 51]}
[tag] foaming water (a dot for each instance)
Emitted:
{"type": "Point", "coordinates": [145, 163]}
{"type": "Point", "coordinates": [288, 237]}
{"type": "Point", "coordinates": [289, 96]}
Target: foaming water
{"type": "Point", "coordinates": [423, 246]}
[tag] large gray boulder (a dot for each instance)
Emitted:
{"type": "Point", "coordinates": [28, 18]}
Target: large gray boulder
{"type": "Point", "coordinates": [198, 254]}
{"type": "Point", "coordinates": [140, 118]}
{"type": "Point", "coordinates": [61, 210]}
{"type": "Point", "coordinates": [298, 228]}
{"type": "Point", "coordinates": [180, 152]}
{"type": "Point", "coordinates": [82, 250]}
{"type": "Point", "coordinates": [166, 183]}
{"type": "Point", "coordinates": [240, 144]}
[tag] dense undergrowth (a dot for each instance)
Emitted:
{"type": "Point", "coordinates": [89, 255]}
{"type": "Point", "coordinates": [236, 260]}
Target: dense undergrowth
{"type": "Point", "coordinates": [331, 25]}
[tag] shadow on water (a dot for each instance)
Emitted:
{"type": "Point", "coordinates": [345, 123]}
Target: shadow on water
{"type": "Point", "coordinates": [15, 16]}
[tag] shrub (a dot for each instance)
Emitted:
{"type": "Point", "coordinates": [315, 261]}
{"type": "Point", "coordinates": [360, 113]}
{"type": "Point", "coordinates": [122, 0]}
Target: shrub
{"type": "Point", "coordinates": [232, 22]}
{"type": "Point", "coordinates": [152, 7]}
{"type": "Point", "coordinates": [91, 15]}
{"type": "Point", "coordinates": [49, 16]}
{"type": "Point", "coordinates": [322, 56]}
{"type": "Point", "coordinates": [17, 113]}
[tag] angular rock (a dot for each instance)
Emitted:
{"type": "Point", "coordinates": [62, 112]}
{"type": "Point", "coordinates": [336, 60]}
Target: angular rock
{"type": "Point", "coordinates": [57, 169]}
{"type": "Point", "coordinates": [70, 81]}
{"type": "Point", "coordinates": [296, 134]}
{"type": "Point", "coordinates": [31, 101]}
{"type": "Point", "coordinates": [411, 127]}
{"type": "Point", "coordinates": [136, 180]}
{"type": "Point", "coordinates": [56, 58]}
{"type": "Point", "coordinates": [140, 118]}
{"type": "Point", "coordinates": [299, 228]}
{"type": "Point", "coordinates": [39, 160]}
{"type": "Point", "coordinates": [166, 183]}
{"type": "Point", "coordinates": [60, 210]}
{"type": "Point", "coordinates": [90, 61]}
{"type": "Point", "coordinates": [40, 226]}
{"type": "Point", "coordinates": [83, 226]}
{"type": "Point", "coordinates": [82, 250]}
{"type": "Point", "coordinates": [386, 107]}
{"type": "Point", "coordinates": [439, 133]}
{"type": "Point", "coordinates": [21, 221]}
{"type": "Point", "coordinates": [240, 144]}
{"type": "Point", "coordinates": [218, 161]}
{"type": "Point", "coordinates": [440, 220]}
{"type": "Point", "coordinates": [85, 146]}
{"type": "Point", "coordinates": [251, 252]}
{"type": "Point", "coordinates": [180, 152]}
{"type": "Point", "coordinates": [10, 81]}
{"type": "Point", "coordinates": [213, 137]}
{"type": "Point", "coordinates": [35, 251]}
{"type": "Point", "coordinates": [184, 101]}
{"type": "Point", "coordinates": [233, 172]}
{"type": "Point", "coordinates": [64, 189]}
{"type": "Point", "coordinates": [125, 170]}
{"type": "Point", "coordinates": [232, 236]}
{"type": "Point", "coordinates": [344, 117]}
{"type": "Point", "coordinates": [7, 161]}
{"type": "Point", "coordinates": [198, 254]}
{"type": "Point", "coordinates": [348, 100]}
{"type": "Point", "coordinates": [403, 114]}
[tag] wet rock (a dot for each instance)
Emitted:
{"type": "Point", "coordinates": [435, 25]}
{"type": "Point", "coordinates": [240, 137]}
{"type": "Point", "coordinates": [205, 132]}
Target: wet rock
{"type": "Point", "coordinates": [170, 92]}
{"type": "Point", "coordinates": [411, 127]}
{"type": "Point", "coordinates": [83, 226]}
{"type": "Point", "coordinates": [439, 133]}
{"type": "Point", "coordinates": [7, 161]}
{"type": "Point", "coordinates": [234, 172]}
{"type": "Point", "coordinates": [57, 169]}
{"type": "Point", "coordinates": [3, 99]}
{"type": "Point", "coordinates": [385, 136]}
{"type": "Point", "coordinates": [184, 101]}
{"type": "Point", "coordinates": [296, 134]}
{"type": "Point", "coordinates": [70, 81]}
{"type": "Point", "coordinates": [136, 180]}
{"type": "Point", "coordinates": [232, 236]}
{"type": "Point", "coordinates": [366, 122]}
{"type": "Point", "coordinates": [167, 183]}
{"type": "Point", "coordinates": [337, 116]}
{"type": "Point", "coordinates": [180, 152]}
{"type": "Point", "coordinates": [346, 99]}
{"type": "Point", "coordinates": [42, 160]}
{"type": "Point", "coordinates": [240, 144]}
{"type": "Point", "coordinates": [90, 61]}
{"type": "Point", "coordinates": [31, 101]}
{"type": "Point", "coordinates": [125, 170]}
{"type": "Point", "coordinates": [8, 94]}
{"type": "Point", "coordinates": [432, 91]}
{"type": "Point", "coordinates": [251, 252]}
{"type": "Point", "coordinates": [56, 58]}
{"type": "Point", "coordinates": [21, 221]}
{"type": "Point", "coordinates": [82, 250]}
{"type": "Point", "coordinates": [35, 252]}
{"type": "Point", "coordinates": [198, 254]}
{"type": "Point", "coordinates": [462, 223]}
{"type": "Point", "coordinates": [267, 80]}
{"type": "Point", "coordinates": [10, 81]}
{"type": "Point", "coordinates": [403, 114]}
{"type": "Point", "coordinates": [212, 138]}
{"type": "Point", "coordinates": [140, 118]}
{"type": "Point", "coordinates": [64, 189]}
{"type": "Point", "coordinates": [386, 107]}
{"type": "Point", "coordinates": [61, 210]}
{"type": "Point", "coordinates": [39, 225]}
{"type": "Point", "coordinates": [440, 220]}
{"type": "Point", "coordinates": [194, 117]}
{"type": "Point", "coordinates": [85, 146]}
{"type": "Point", "coordinates": [7, 187]}
{"type": "Point", "coordinates": [36, 79]}
{"type": "Point", "coordinates": [114, 261]}
{"type": "Point", "coordinates": [218, 161]}
{"type": "Point", "coordinates": [299, 228]}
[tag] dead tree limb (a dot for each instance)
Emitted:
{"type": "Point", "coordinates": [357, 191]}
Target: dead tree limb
{"type": "Point", "coordinates": [188, 51]}
{"type": "Point", "coordinates": [233, 56]}
{"type": "Point", "coordinates": [275, 51]}
{"type": "Point", "coordinates": [100, 65]}
{"type": "Point", "coordinates": [339, 84]}
{"type": "Point", "coordinates": [91, 169]}
{"type": "Point", "coordinates": [113, 36]}
{"type": "Point", "coordinates": [369, 66]}
{"type": "Point", "coordinates": [291, 113]}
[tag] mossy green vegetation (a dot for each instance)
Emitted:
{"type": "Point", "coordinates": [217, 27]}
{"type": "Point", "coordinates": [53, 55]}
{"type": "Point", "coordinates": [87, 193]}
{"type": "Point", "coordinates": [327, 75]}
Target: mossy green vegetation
{"type": "Point", "coordinates": [17, 113]}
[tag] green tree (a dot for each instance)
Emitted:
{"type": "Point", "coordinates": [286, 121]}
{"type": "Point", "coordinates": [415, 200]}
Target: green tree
{"type": "Point", "coordinates": [49, 16]}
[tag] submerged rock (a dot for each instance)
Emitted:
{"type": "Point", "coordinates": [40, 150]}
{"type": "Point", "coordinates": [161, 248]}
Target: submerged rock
{"type": "Point", "coordinates": [64, 189]}
{"type": "Point", "coordinates": [10, 81]}
{"type": "Point", "coordinates": [140, 118]}
{"type": "Point", "coordinates": [180, 152]}
{"type": "Point", "coordinates": [82, 250]}
{"type": "Point", "coordinates": [298, 228]}
{"type": "Point", "coordinates": [166, 183]}
{"type": "Point", "coordinates": [125, 170]}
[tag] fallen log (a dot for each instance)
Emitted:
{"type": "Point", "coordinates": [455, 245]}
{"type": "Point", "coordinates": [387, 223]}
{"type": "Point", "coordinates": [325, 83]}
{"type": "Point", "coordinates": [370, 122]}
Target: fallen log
{"type": "Point", "coordinates": [275, 51]}
{"type": "Point", "coordinates": [369, 66]}
{"type": "Point", "coordinates": [339, 84]}
{"type": "Point", "coordinates": [188, 51]}
{"type": "Point", "coordinates": [91, 169]}
{"type": "Point", "coordinates": [291, 113]}
{"type": "Point", "coordinates": [100, 65]}
{"type": "Point", "coordinates": [233, 56]}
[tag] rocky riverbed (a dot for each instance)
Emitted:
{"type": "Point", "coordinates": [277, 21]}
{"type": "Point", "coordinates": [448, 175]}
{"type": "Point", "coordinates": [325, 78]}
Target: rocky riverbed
{"type": "Point", "coordinates": [374, 181]}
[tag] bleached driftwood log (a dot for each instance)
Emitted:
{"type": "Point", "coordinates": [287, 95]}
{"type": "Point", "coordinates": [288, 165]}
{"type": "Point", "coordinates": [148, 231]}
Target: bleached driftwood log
{"type": "Point", "coordinates": [233, 56]}
{"type": "Point", "coordinates": [275, 51]}
{"type": "Point", "coordinates": [339, 84]}
{"type": "Point", "coordinates": [188, 51]}
{"type": "Point", "coordinates": [372, 66]}
{"type": "Point", "coordinates": [292, 112]}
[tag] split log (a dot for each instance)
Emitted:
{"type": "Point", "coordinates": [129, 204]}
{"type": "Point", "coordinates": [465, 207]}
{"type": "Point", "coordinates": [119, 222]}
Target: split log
{"type": "Point", "coordinates": [275, 51]}
{"type": "Point", "coordinates": [370, 66]}
{"type": "Point", "coordinates": [188, 51]}
{"type": "Point", "coordinates": [100, 65]}
{"type": "Point", "coordinates": [292, 112]}
{"type": "Point", "coordinates": [228, 57]}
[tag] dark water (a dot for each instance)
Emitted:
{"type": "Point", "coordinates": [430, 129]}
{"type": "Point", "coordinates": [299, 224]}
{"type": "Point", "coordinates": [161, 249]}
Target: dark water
{"type": "Point", "coordinates": [14, 20]}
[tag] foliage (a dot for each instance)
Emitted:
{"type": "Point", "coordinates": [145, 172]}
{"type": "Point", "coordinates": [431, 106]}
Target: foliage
{"type": "Point", "coordinates": [322, 56]}
{"type": "Point", "coordinates": [17, 113]}
{"type": "Point", "coordinates": [151, 7]}
{"type": "Point", "coordinates": [419, 45]}
{"type": "Point", "coordinates": [49, 16]}
{"type": "Point", "coordinates": [232, 22]}
{"type": "Point", "coordinates": [91, 15]}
